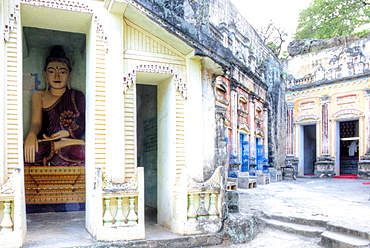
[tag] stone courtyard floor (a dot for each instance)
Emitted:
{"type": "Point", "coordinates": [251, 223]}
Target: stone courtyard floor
{"type": "Point", "coordinates": [343, 203]}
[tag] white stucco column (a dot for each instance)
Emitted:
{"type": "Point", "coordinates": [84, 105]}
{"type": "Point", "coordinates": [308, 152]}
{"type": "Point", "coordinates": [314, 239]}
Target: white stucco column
{"type": "Point", "coordinates": [2, 106]}
{"type": "Point", "coordinates": [114, 29]}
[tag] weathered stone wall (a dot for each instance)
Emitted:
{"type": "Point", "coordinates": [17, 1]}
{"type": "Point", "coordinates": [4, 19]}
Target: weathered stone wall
{"type": "Point", "coordinates": [190, 20]}
{"type": "Point", "coordinates": [277, 114]}
{"type": "Point", "coordinates": [304, 46]}
{"type": "Point", "coordinates": [217, 30]}
{"type": "Point", "coordinates": [346, 59]}
{"type": "Point", "coordinates": [214, 155]}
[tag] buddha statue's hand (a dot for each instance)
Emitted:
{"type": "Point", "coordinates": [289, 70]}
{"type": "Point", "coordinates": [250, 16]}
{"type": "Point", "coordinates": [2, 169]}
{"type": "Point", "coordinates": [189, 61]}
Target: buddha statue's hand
{"type": "Point", "coordinates": [31, 146]}
{"type": "Point", "coordinates": [56, 136]}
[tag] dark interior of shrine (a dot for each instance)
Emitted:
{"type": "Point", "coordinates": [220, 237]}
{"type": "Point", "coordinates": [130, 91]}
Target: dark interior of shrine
{"type": "Point", "coordinates": [349, 138]}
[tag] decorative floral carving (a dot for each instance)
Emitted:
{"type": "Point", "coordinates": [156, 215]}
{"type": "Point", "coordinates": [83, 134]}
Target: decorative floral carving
{"type": "Point", "coordinates": [11, 21]}
{"type": "Point", "coordinates": [67, 120]}
{"type": "Point", "coordinates": [133, 184]}
{"type": "Point", "coordinates": [60, 4]}
{"type": "Point", "coordinates": [213, 183]}
{"type": "Point", "coordinates": [8, 187]}
{"type": "Point", "coordinates": [131, 77]}
{"type": "Point", "coordinates": [259, 133]}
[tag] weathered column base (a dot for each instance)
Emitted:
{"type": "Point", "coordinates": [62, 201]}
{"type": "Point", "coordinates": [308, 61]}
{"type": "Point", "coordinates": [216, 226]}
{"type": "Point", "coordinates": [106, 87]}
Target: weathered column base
{"type": "Point", "coordinates": [292, 161]}
{"type": "Point", "coordinates": [364, 167]}
{"type": "Point", "coordinates": [324, 167]}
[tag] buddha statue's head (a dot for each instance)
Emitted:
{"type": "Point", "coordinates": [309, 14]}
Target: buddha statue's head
{"type": "Point", "coordinates": [57, 70]}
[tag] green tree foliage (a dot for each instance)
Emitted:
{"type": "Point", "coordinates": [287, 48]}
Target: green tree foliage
{"type": "Point", "coordinates": [324, 19]}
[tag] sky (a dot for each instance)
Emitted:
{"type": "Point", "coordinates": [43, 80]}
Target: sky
{"type": "Point", "coordinates": [284, 13]}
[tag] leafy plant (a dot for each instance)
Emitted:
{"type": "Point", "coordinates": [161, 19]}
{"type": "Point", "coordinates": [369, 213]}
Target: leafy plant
{"type": "Point", "coordinates": [324, 19]}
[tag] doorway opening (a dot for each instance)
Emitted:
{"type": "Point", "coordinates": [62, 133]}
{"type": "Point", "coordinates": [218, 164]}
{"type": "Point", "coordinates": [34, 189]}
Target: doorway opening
{"type": "Point", "coordinates": [147, 146]}
{"type": "Point", "coordinates": [349, 141]}
{"type": "Point", "coordinates": [309, 149]}
{"type": "Point", "coordinates": [48, 186]}
{"type": "Point", "coordinates": [259, 153]}
{"type": "Point", "coordinates": [244, 152]}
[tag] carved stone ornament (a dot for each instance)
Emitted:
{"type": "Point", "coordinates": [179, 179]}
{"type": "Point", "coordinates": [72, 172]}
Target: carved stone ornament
{"type": "Point", "coordinates": [60, 4]}
{"type": "Point", "coordinates": [8, 187]}
{"type": "Point", "coordinates": [347, 112]}
{"type": "Point", "coordinates": [259, 133]}
{"type": "Point", "coordinates": [10, 22]}
{"type": "Point", "coordinates": [212, 183]}
{"type": "Point", "coordinates": [133, 184]}
{"type": "Point", "coordinates": [130, 79]}
{"type": "Point", "coordinates": [242, 126]}
{"type": "Point", "coordinates": [307, 117]}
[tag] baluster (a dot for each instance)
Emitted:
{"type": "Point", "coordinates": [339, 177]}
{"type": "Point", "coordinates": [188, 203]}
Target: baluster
{"type": "Point", "coordinates": [192, 215]}
{"type": "Point", "coordinates": [132, 217]}
{"type": "Point", "coordinates": [202, 212]}
{"type": "Point", "coordinates": [107, 217]}
{"type": "Point", "coordinates": [120, 218]}
{"type": "Point", "coordinates": [212, 212]}
{"type": "Point", "coordinates": [7, 223]}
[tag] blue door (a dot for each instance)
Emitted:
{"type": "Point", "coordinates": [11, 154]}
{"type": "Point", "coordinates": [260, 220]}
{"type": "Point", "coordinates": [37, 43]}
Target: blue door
{"type": "Point", "coordinates": [259, 155]}
{"type": "Point", "coordinates": [244, 145]}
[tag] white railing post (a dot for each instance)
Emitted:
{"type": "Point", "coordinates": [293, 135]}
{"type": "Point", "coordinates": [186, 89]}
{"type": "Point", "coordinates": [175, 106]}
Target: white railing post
{"type": "Point", "coordinates": [7, 223]}
{"type": "Point", "coordinates": [132, 216]}
{"type": "Point", "coordinates": [192, 215]}
{"type": "Point", "coordinates": [120, 218]}
{"type": "Point", "coordinates": [107, 217]}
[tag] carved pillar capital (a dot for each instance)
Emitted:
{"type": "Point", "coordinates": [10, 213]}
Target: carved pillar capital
{"type": "Point", "coordinates": [290, 105]}
{"type": "Point", "coordinates": [367, 92]}
{"type": "Point", "coordinates": [324, 99]}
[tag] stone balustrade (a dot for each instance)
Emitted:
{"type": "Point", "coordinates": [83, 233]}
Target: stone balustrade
{"type": "Point", "coordinates": [202, 206]}
{"type": "Point", "coordinates": [306, 80]}
{"type": "Point", "coordinates": [12, 211]}
{"type": "Point", "coordinates": [198, 205]}
{"type": "Point", "coordinates": [122, 216]}
{"type": "Point", "coordinates": [6, 206]}
{"type": "Point", "coordinates": [120, 210]}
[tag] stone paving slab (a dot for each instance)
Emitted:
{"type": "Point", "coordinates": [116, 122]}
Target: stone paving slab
{"type": "Point", "coordinates": [343, 204]}
{"type": "Point", "coordinates": [268, 238]}
{"type": "Point", "coordinates": [341, 201]}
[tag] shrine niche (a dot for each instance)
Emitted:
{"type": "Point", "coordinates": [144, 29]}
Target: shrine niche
{"type": "Point", "coordinates": [54, 123]}
{"type": "Point", "coordinates": [221, 91]}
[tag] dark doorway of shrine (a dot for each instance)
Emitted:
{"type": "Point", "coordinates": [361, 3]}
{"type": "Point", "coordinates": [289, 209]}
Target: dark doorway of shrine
{"type": "Point", "coordinates": [349, 141]}
{"type": "Point", "coordinates": [52, 188]}
{"type": "Point", "coordinates": [309, 149]}
{"type": "Point", "coordinates": [147, 149]}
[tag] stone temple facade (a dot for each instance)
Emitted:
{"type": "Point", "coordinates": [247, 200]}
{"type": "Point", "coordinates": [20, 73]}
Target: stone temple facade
{"type": "Point", "coordinates": [180, 97]}
{"type": "Point", "coordinates": [328, 107]}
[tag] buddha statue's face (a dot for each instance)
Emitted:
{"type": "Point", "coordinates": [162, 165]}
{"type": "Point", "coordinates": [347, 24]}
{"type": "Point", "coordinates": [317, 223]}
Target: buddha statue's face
{"type": "Point", "coordinates": [57, 75]}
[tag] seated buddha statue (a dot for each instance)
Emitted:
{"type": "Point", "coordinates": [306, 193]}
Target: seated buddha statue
{"type": "Point", "coordinates": [57, 117]}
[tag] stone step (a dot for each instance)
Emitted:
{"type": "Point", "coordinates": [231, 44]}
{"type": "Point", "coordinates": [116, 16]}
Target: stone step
{"type": "Point", "coordinates": [300, 229]}
{"type": "Point", "coordinates": [298, 220]}
{"type": "Point", "coordinates": [358, 232]}
{"type": "Point", "coordinates": [340, 240]}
